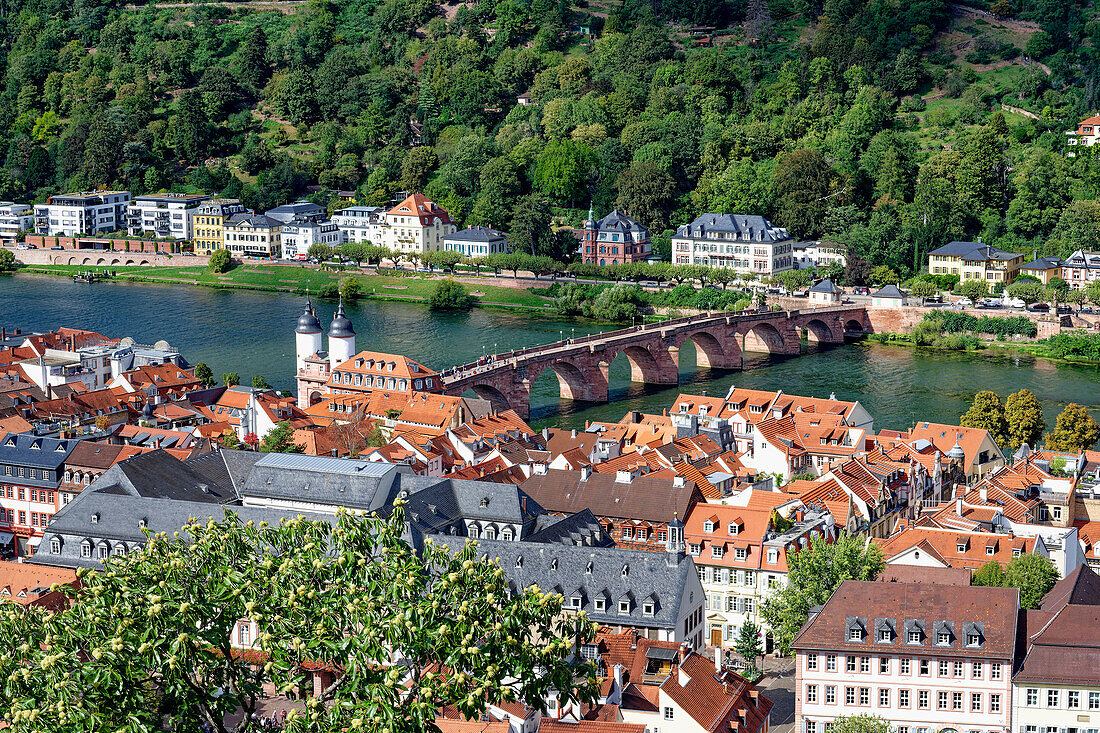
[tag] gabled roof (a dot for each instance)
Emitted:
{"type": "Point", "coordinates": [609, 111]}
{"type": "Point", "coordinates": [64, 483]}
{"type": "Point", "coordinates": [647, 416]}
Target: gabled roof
{"type": "Point", "coordinates": [1080, 588]}
{"type": "Point", "coordinates": [644, 497]}
{"type": "Point", "coordinates": [156, 474]}
{"type": "Point", "coordinates": [973, 251]}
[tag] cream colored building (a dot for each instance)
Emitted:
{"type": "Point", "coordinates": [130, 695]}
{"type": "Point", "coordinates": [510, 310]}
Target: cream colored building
{"type": "Point", "coordinates": [252, 235]}
{"type": "Point", "coordinates": [975, 261]}
{"type": "Point", "coordinates": [417, 224]}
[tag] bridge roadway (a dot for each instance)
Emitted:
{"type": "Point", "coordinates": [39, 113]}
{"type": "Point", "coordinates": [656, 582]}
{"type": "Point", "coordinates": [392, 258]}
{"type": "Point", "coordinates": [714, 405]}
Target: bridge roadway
{"type": "Point", "coordinates": [581, 364]}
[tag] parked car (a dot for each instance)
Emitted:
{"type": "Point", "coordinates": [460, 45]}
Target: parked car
{"type": "Point", "coordinates": [1064, 309]}
{"type": "Point", "coordinates": [32, 246]}
{"type": "Point", "coordinates": [990, 303]}
{"type": "Point", "coordinates": [57, 246]}
{"type": "Point", "coordinates": [1086, 309]}
{"type": "Point", "coordinates": [1014, 303]}
{"type": "Point", "coordinates": [1040, 307]}
{"type": "Point", "coordinates": [964, 302]}
{"type": "Point", "coordinates": [861, 290]}
{"type": "Point", "coordinates": [20, 246]}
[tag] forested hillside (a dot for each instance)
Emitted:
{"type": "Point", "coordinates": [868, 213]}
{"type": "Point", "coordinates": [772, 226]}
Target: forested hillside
{"type": "Point", "coordinates": [874, 122]}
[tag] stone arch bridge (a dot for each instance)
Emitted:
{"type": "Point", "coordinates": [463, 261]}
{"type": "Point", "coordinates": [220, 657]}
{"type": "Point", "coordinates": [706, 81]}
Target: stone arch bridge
{"type": "Point", "coordinates": [582, 364]}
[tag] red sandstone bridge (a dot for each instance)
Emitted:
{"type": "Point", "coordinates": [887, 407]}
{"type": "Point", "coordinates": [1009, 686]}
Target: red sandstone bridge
{"type": "Point", "coordinates": [581, 364]}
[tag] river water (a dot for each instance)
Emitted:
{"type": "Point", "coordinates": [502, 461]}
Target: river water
{"type": "Point", "coordinates": [253, 333]}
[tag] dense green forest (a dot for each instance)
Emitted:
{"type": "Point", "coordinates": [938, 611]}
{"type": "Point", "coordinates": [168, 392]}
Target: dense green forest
{"type": "Point", "coordinates": [879, 123]}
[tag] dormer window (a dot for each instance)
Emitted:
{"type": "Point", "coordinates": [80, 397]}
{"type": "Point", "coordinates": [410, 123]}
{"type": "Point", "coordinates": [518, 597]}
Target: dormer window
{"type": "Point", "coordinates": [855, 634]}
{"type": "Point", "coordinates": [961, 547]}
{"type": "Point", "coordinates": [734, 528]}
{"type": "Point", "coordinates": [1016, 551]}
{"type": "Point", "coordinates": [575, 602]}
{"type": "Point", "coordinates": [624, 606]}
{"type": "Point", "coordinates": [647, 609]}
{"type": "Point", "coordinates": [973, 639]}
{"type": "Point", "coordinates": [554, 564]}
{"type": "Point", "coordinates": [708, 526]}
{"type": "Point", "coordinates": [990, 549]}
{"type": "Point", "coordinates": [914, 637]}
{"type": "Point", "coordinates": [773, 555]}
{"type": "Point", "coordinates": [601, 604]}
{"type": "Point", "coordinates": [885, 636]}
{"type": "Point", "coordinates": [717, 551]}
{"type": "Point", "coordinates": [741, 553]}
{"type": "Point", "coordinates": [626, 570]}
{"type": "Point", "coordinates": [943, 638]}
{"type": "Point", "coordinates": [519, 561]}
{"type": "Point", "coordinates": [588, 569]}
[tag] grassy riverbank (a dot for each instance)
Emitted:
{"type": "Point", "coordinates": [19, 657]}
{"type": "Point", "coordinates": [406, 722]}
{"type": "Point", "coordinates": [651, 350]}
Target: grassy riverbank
{"type": "Point", "coordinates": [295, 279]}
{"type": "Point", "coordinates": [1044, 349]}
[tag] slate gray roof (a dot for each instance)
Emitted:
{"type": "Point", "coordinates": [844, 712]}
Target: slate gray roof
{"type": "Point", "coordinates": [618, 221]}
{"type": "Point", "coordinates": [973, 251]}
{"type": "Point", "coordinates": [331, 482]}
{"type": "Point", "coordinates": [889, 291]}
{"type": "Point", "coordinates": [636, 576]}
{"type": "Point", "coordinates": [582, 528]}
{"type": "Point", "coordinates": [117, 519]}
{"type": "Point", "coordinates": [1042, 263]}
{"type": "Point", "coordinates": [289, 212]}
{"type": "Point", "coordinates": [229, 468]}
{"type": "Point", "coordinates": [746, 226]}
{"type": "Point", "coordinates": [254, 220]}
{"type": "Point", "coordinates": [825, 286]}
{"type": "Point", "coordinates": [32, 451]}
{"type": "Point", "coordinates": [478, 234]}
{"type": "Point", "coordinates": [1080, 258]}
{"type": "Point", "coordinates": [159, 475]}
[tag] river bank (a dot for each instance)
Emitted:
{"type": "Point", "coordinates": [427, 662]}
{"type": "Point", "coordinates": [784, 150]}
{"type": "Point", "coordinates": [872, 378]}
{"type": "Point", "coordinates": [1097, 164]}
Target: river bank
{"type": "Point", "coordinates": [252, 332]}
{"type": "Point", "coordinates": [979, 345]}
{"type": "Point", "coordinates": [270, 277]}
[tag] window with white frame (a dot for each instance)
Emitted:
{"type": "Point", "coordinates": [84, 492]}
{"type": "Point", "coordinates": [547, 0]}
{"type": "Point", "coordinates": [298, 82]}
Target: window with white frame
{"type": "Point", "coordinates": [977, 670]}
{"type": "Point", "coordinates": [1053, 698]}
{"type": "Point", "coordinates": [1073, 699]}
{"type": "Point", "coordinates": [1031, 697]}
{"type": "Point", "coordinates": [668, 713]}
{"type": "Point", "coordinates": [995, 703]}
{"type": "Point", "coordinates": [811, 693]}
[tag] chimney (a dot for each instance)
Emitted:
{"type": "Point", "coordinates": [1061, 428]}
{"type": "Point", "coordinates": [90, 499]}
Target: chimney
{"type": "Point", "coordinates": [623, 477]}
{"type": "Point", "coordinates": [983, 492]}
{"type": "Point", "coordinates": [678, 482]}
{"type": "Point", "coordinates": [633, 639]}
{"type": "Point", "coordinates": [574, 433]}
{"type": "Point", "coordinates": [333, 451]}
{"type": "Point", "coordinates": [718, 660]}
{"type": "Point", "coordinates": [959, 505]}
{"type": "Point", "coordinates": [617, 670]}
{"type": "Point", "coordinates": [586, 471]}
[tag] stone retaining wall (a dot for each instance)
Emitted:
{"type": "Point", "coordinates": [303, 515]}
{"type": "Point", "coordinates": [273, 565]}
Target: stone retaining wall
{"type": "Point", "coordinates": [106, 258]}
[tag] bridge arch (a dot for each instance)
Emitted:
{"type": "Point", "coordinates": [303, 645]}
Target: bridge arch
{"type": "Point", "coordinates": [712, 353]}
{"type": "Point", "coordinates": [854, 328]}
{"type": "Point", "coordinates": [818, 330]}
{"type": "Point", "coordinates": [646, 367]}
{"type": "Point", "coordinates": [101, 261]}
{"type": "Point", "coordinates": [763, 336]}
{"type": "Point", "coordinates": [493, 396]}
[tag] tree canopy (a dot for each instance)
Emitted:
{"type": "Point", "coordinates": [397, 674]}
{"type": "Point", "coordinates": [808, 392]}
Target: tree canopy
{"type": "Point", "coordinates": [813, 574]}
{"type": "Point", "coordinates": [151, 635]}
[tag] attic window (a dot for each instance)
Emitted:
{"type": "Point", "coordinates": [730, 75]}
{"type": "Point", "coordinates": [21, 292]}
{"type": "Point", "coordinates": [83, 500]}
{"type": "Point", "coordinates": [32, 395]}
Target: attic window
{"type": "Point", "coordinates": [961, 547]}
{"type": "Point", "coordinates": [626, 570]}
{"type": "Point", "coordinates": [588, 569]}
{"type": "Point", "coordinates": [601, 604]}
{"type": "Point", "coordinates": [647, 609]}
{"type": "Point", "coordinates": [484, 501]}
{"type": "Point", "coordinates": [519, 561]}
{"type": "Point", "coordinates": [554, 564]}
{"type": "Point", "coordinates": [95, 518]}
{"type": "Point", "coordinates": [734, 528]}
{"type": "Point", "coordinates": [1016, 551]}
{"type": "Point", "coordinates": [708, 526]}
{"type": "Point", "coordinates": [990, 549]}
{"type": "Point", "coordinates": [624, 606]}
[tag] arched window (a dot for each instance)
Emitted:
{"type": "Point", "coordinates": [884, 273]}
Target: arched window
{"type": "Point", "coordinates": [490, 533]}
{"type": "Point", "coordinates": [86, 548]}
{"type": "Point", "coordinates": [119, 549]}
{"type": "Point", "coordinates": [104, 550]}
{"type": "Point", "coordinates": [55, 545]}
{"type": "Point", "coordinates": [506, 534]}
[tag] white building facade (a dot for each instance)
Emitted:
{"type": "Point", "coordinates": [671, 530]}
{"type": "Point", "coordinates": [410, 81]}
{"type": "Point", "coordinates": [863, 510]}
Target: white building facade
{"type": "Point", "coordinates": [14, 220]}
{"type": "Point", "coordinates": [928, 658]}
{"type": "Point", "coordinates": [743, 243]}
{"type": "Point", "coordinates": [360, 223]}
{"type": "Point", "coordinates": [298, 236]}
{"type": "Point", "coordinates": [92, 212]}
{"type": "Point", "coordinates": [164, 215]}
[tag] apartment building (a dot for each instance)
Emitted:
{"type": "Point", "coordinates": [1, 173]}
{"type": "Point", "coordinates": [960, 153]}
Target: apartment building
{"type": "Point", "coordinates": [1056, 688]}
{"type": "Point", "coordinates": [477, 242]}
{"type": "Point", "coordinates": [14, 220]}
{"type": "Point", "coordinates": [417, 224]}
{"type": "Point", "coordinates": [819, 254]}
{"type": "Point", "coordinates": [91, 212]}
{"type": "Point", "coordinates": [163, 215]}
{"type": "Point", "coordinates": [31, 469]}
{"type": "Point", "coordinates": [742, 557]}
{"type": "Point", "coordinates": [926, 657]}
{"type": "Point", "coordinates": [299, 235]}
{"type": "Point", "coordinates": [361, 223]}
{"type": "Point", "coordinates": [743, 243]}
{"type": "Point", "coordinates": [209, 223]}
{"type": "Point", "coordinates": [1081, 269]}
{"type": "Point", "coordinates": [252, 235]}
{"type": "Point", "coordinates": [614, 239]}
{"type": "Point", "coordinates": [975, 261]}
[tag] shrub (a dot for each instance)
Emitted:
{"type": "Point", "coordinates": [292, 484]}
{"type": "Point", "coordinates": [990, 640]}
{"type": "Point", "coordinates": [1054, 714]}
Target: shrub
{"type": "Point", "coordinates": [220, 260]}
{"type": "Point", "coordinates": [1077, 346]}
{"type": "Point", "coordinates": [351, 288]}
{"type": "Point", "coordinates": [955, 322]}
{"type": "Point", "coordinates": [450, 295]}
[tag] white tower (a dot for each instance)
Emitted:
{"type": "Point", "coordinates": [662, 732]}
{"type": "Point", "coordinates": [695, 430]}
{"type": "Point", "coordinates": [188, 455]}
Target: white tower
{"type": "Point", "coordinates": [307, 336]}
{"type": "Point", "coordinates": [341, 338]}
